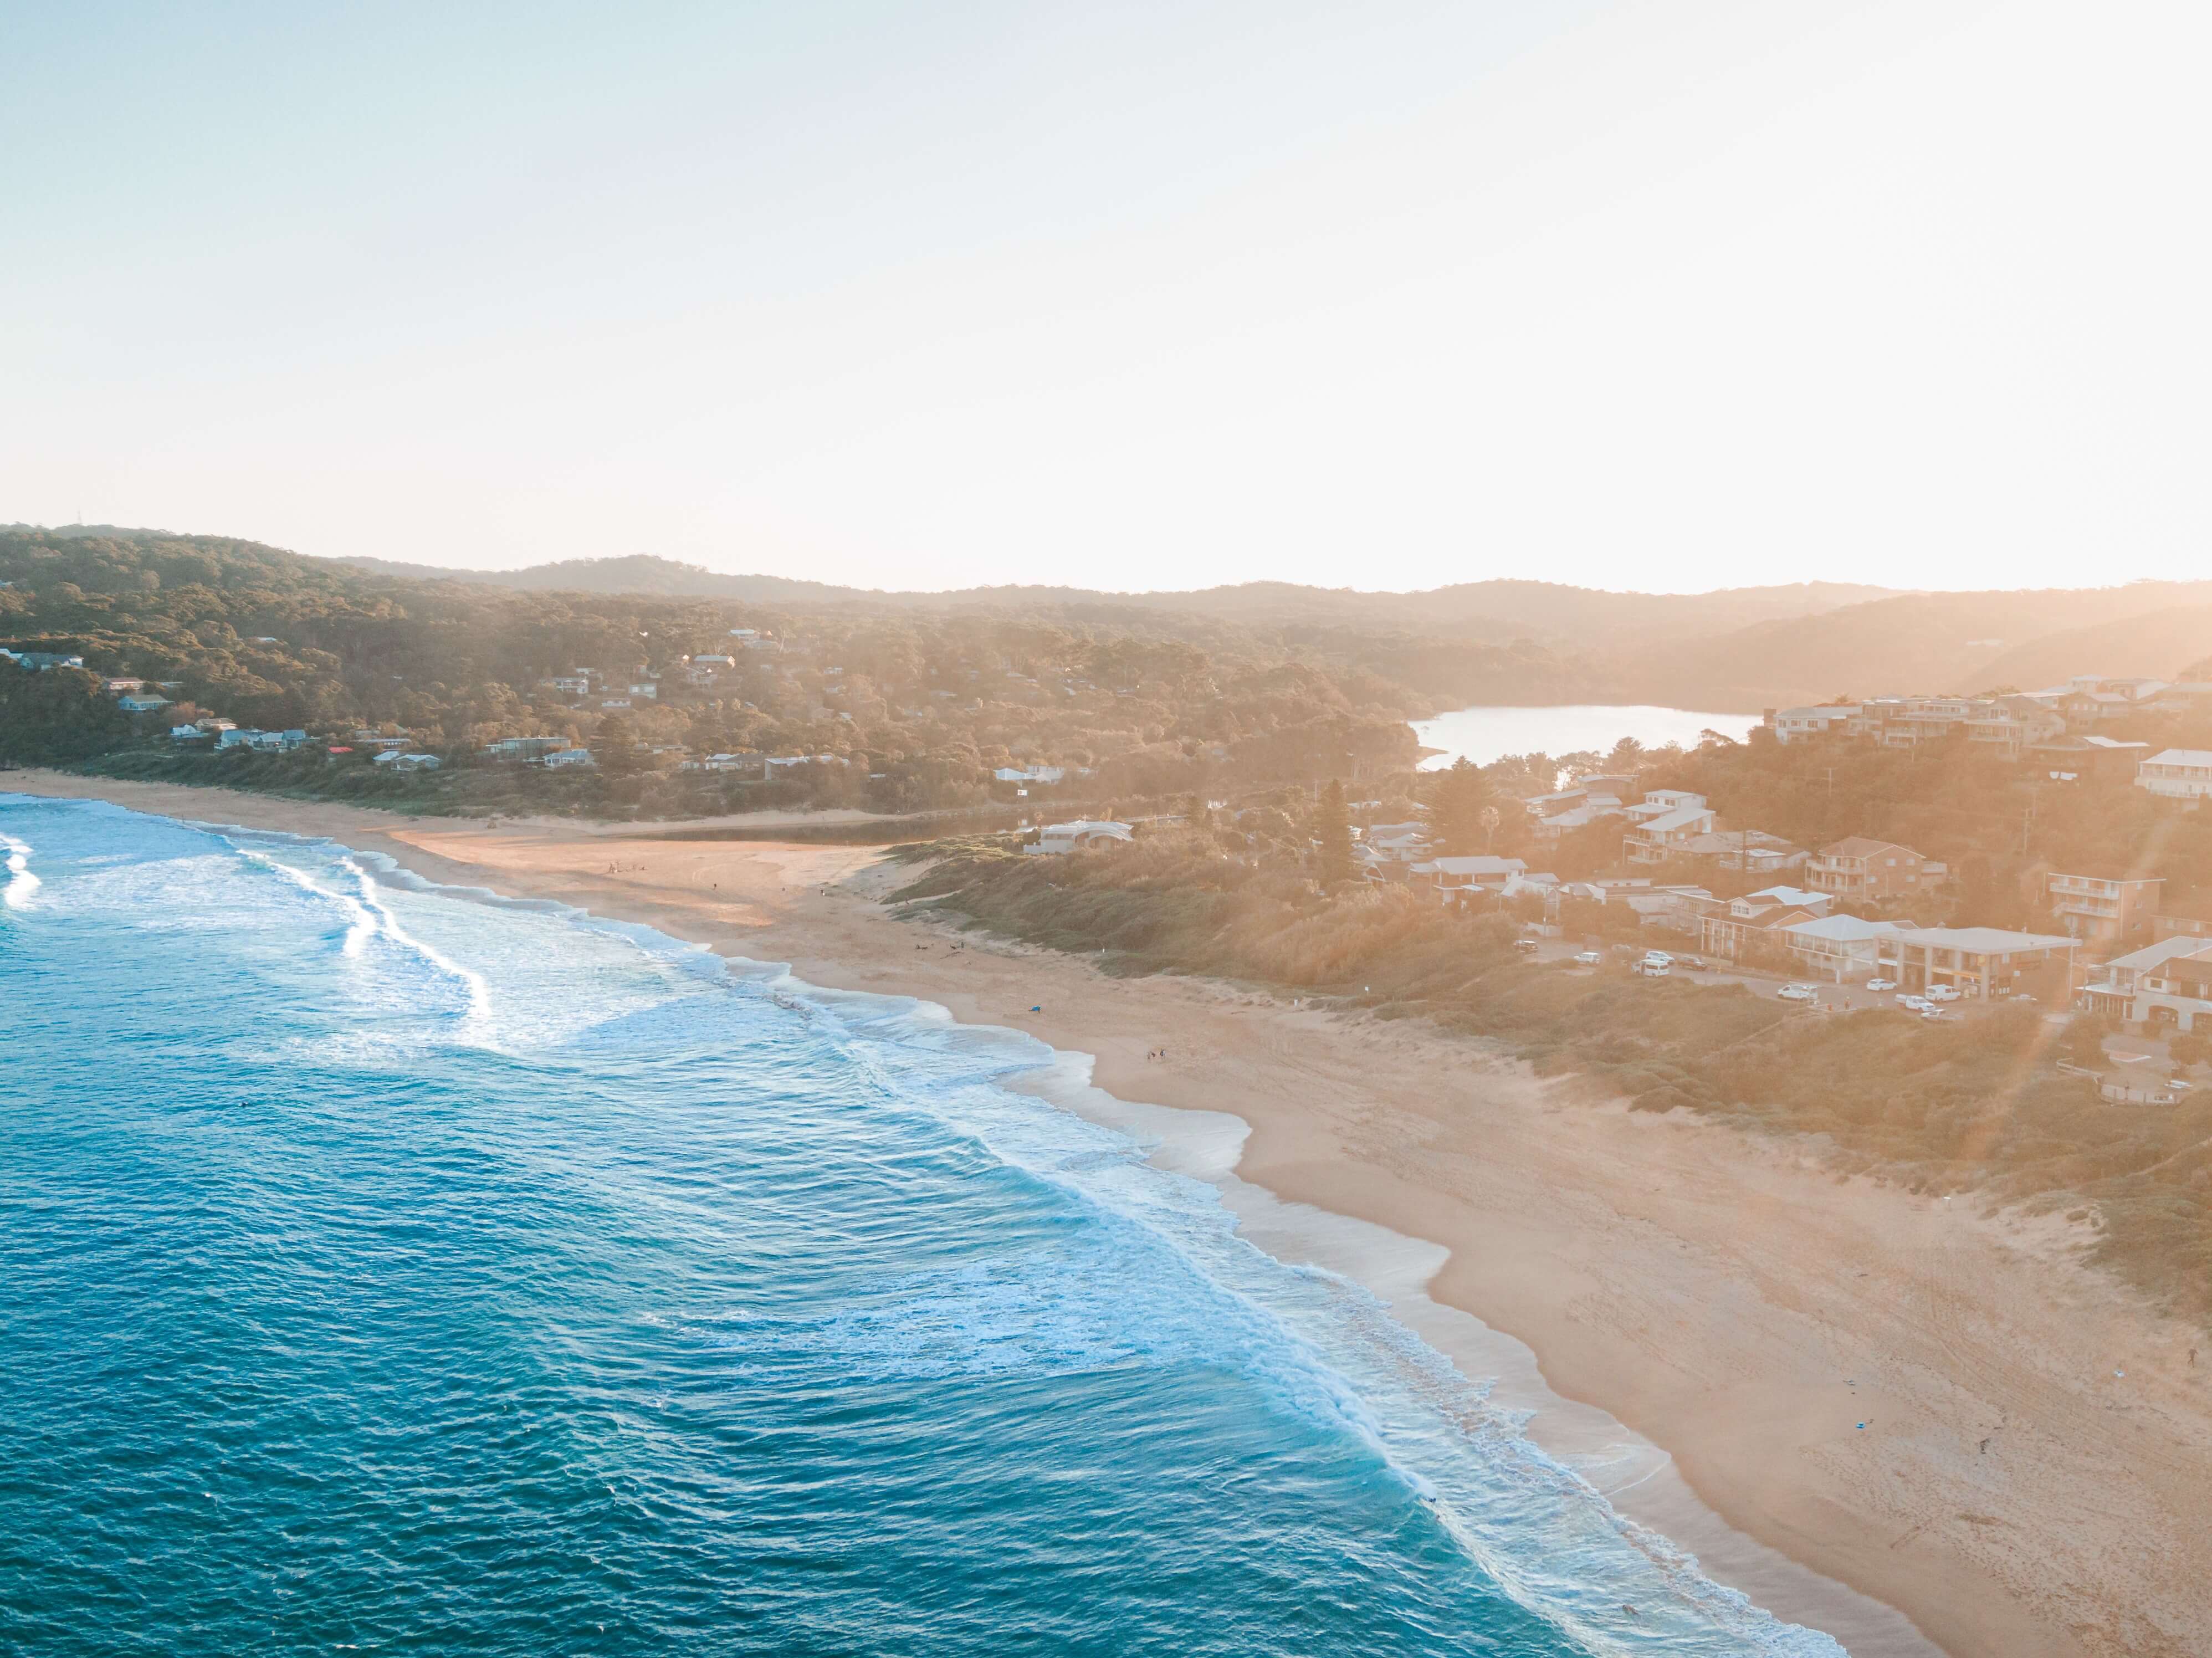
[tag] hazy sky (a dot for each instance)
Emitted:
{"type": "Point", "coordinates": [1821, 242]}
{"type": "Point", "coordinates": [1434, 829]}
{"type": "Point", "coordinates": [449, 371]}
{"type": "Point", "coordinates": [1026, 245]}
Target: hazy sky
{"type": "Point", "coordinates": [1662, 293]}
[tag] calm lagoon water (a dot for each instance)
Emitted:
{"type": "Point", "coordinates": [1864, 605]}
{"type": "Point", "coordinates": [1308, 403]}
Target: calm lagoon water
{"type": "Point", "coordinates": [390, 1267]}
{"type": "Point", "coordinates": [1483, 735]}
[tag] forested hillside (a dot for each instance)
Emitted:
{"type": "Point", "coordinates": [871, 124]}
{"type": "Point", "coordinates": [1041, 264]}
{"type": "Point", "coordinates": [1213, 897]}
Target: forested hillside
{"type": "Point", "coordinates": [902, 709]}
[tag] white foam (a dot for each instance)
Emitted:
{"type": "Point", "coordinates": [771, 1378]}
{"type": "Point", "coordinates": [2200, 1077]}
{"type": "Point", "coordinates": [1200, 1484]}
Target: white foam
{"type": "Point", "coordinates": [22, 885]}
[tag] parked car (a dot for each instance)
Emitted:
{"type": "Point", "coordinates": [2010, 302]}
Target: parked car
{"type": "Point", "coordinates": [1588, 957]}
{"type": "Point", "coordinates": [1652, 970]}
{"type": "Point", "coordinates": [1915, 1003]}
{"type": "Point", "coordinates": [1938, 1014]}
{"type": "Point", "coordinates": [1525, 946]}
{"type": "Point", "coordinates": [1659, 956]}
{"type": "Point", "coordinates": [1695, 962]}
{"type": "Point", "coordinates": [1798, 994]}
{"type": "Point", "coordinates": [1882, 984]}
{"type": "Point", "coordinates": [1941, 993]}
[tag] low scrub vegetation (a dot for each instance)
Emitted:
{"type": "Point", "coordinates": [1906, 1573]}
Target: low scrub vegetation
{"type": "Point", "coordinates": [1974, 1105]}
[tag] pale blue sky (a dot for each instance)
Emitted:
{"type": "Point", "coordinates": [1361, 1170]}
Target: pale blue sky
{"type": "Point", "coordinates": [1672, 293]}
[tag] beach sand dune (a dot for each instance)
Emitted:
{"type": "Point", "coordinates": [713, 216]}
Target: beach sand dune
{"type": "Point", "coordinates": [2033, 1475]}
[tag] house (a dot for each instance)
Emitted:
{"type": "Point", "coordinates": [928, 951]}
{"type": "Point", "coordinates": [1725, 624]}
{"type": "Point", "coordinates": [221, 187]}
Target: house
{"type": "Point", "coordinates": [1840, 947]}
{"type": "Point", "coordinates": [1862, 870]}
{"type": "Point", "coordinates": [2068, 759]}
{"type": "Point", "coordinates": [1804, 725]}
{"type": "Point", "coordinates": [1978, 961]}
{"type": "Point", "coordinates": [524, 749]}
{"type": "Point", "coordinates": [185, 733]}
{"type": "Point", "coordinates": [565, 759]}
{"type": "Point", "coordinates": [2176, 774]}
{"type": "Point", "coordinates": [570, 685]}
{"type": "Point", "coordinates": [1453, 878]}
{"type": "Point", "coordinates": [1396, 843]}
{"type": "Point", "coordinates": [1754, 850]}
{"type": "Point", "coordinates": [2167, 983]}
{"type": "Point", "coordinates": [2009, 726]}
{"type": "Point", "coordinates": [749, 761]}
{"type": "Point", "coordinates": [259, 742]}
{"type": "Point", "coordinates": [2102, 910]}
{"type": "Point", "coordinates": [1595, 808]}
{"type": "Point", "coordinates": [1662, 822]}
{"type": "Point", "coordinates": [138, 704]}
{"type": "Point", "coordinates": [1086, 832]}
{"type": "Point", "coordinates": [399, 760]}
{"type": "Point", "coordinates": [648, 688]}
{"type": "Point", "coordinates": [2190, 697]}
{"type": "Point", "coordinates": [1752, 926]}
{"type": "Point", "coordinates": [1030, 774]}
{"type": "Point", "coordinates": [41, 661]}
{"type": "Point", "coordinates": [117, 687]}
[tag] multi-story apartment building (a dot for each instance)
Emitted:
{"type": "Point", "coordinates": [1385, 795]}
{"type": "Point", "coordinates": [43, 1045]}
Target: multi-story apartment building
{"type": "Point", "coordinates": [1977, 962]}
{"type": "Point", "coordinates": [2169, 982]}
{"type": "Point", "coordinates": [2176, 774]}
{"type": "Point", "coordinates": [1866, 871]}
{"type": "Point", "coordinates": [2102, 910]}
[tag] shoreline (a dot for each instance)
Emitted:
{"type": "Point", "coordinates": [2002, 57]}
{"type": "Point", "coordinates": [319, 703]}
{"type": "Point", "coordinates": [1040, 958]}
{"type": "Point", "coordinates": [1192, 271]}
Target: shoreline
{"type": "Point", "coordinates": [1720, 1296]}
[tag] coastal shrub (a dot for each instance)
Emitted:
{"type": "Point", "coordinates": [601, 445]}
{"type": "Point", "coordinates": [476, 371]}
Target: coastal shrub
{"type": "Point", "coordinates": [1972, 1105]}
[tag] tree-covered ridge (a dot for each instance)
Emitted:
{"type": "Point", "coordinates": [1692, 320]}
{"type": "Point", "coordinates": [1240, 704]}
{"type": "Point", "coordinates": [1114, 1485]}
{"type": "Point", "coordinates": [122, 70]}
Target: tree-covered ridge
{"type": "Point", "coordinates": [922, 707]}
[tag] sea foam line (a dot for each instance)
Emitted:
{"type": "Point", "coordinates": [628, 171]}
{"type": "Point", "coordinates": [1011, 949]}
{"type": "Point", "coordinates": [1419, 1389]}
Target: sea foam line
{"type": "Point", "coordinates": [22, 885]}
{"type": "Point", "coordinates": [1726, 1611]}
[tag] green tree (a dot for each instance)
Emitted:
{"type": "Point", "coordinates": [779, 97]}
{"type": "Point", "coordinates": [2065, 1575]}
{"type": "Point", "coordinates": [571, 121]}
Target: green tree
{"type": "Point", "coordinates": [615, 747]}
{"type": "Point", "coordinates": [1333, 824]}
{"type": "Point", "coordinates": [1456, 807]}
{"type": "Point", "coordinates": [2083, 1041]}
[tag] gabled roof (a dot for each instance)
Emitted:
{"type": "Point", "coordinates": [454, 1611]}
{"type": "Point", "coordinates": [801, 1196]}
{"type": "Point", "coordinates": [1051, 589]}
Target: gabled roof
{"type": "Point", "coordinates": [1846, 929]}
{"type": "Point", "coordinates": [1679, 817]}
{"type": "Point", "coordinates": [1480, 865]}
{"type": "Point", "coordinates": [1864, 846]}
{"type": "Point", "coordinates": [2181, 757]}
{"type": "Point", "coordinates": [2180, 946]}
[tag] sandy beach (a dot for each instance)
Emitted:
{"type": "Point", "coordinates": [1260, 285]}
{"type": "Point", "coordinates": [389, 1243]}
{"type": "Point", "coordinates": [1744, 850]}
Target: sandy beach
{"type": "Point", "coordinates": [2033, 1475]}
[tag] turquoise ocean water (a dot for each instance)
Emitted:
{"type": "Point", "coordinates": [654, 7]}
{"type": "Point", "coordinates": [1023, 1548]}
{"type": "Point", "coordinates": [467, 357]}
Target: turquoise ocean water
{"type": "Point", "coordinates": [393, 1268]}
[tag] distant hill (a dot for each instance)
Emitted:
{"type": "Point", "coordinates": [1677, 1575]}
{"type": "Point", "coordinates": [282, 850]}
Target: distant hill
{"type": "Point", "coordinates": [1938, 642]}
{"type": "Point", "coordinates": [2159, 644]}
{"type": "Point", "coordinates": [1550, 612]}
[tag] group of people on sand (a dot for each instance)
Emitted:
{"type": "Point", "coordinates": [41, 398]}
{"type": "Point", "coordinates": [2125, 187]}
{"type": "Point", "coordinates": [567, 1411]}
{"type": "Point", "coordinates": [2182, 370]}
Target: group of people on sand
{"type": "Point", "coordinates": [1156, 1054]}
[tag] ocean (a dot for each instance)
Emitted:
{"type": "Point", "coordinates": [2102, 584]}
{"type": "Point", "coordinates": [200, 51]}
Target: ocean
{"type": "Point", "coordinates": [393, 1267]}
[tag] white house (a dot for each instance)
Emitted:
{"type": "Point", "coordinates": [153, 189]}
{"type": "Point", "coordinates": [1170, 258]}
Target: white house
{"type": "Point", "coordinates": [1975, 960]}
{"type": "Point", "coordinates": [2176, 774]}
{"type": "Point", "coordinates": [1662, 822]}
{"type": "Point", "coordinates": [2169, 982]}
{"type": "Point", "coordinates": [260, 742]}
{"type": "Point", "coordinates": [1803, 724]}
{"type": "Point", "coordinates": [1454, 876]}
{"type": "Point", "coordinates": [648, 689]}
{"type": "Point", "coordinates": [1083, 832]}
{"type": "Point", "coordinates": [1840, 947]}
{"type": "Point", "coordinates": [399, 760]}
{"type": "Point", "coordinates": [563, 759]}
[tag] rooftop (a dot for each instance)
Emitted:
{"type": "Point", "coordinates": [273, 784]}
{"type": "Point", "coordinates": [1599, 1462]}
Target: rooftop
{"type": "Point", "coordinates": [1982, 940]}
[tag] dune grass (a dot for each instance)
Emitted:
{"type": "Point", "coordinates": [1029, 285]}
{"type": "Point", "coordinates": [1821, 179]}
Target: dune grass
{"type": "Point", "coordinates": [1974, 1106]}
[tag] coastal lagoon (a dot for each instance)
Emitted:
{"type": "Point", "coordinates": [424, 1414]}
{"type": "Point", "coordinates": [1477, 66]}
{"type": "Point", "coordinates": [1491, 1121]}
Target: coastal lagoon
{"type": "Point", "coordinates": [398, 1266]}
{"type": "Point", "coordinates": [1483, 735]}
